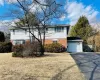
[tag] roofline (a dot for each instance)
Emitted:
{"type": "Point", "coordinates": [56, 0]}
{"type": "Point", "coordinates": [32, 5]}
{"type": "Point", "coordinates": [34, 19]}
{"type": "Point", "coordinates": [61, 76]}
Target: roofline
{"type": "Point", "coordinates": [75, 40]}
{"type": "Point", "coordinates": [49, 26]}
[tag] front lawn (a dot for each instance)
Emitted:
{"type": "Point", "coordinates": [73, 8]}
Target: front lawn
{"type": "Point", "coordinates": [53, 66]}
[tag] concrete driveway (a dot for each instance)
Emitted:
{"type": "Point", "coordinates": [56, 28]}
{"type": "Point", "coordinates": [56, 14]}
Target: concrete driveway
{"type": "Point", "coordinates": [89, 64]}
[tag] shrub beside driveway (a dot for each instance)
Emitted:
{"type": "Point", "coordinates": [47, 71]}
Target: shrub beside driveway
{"type": "Point", "coordinates": [53, 66]}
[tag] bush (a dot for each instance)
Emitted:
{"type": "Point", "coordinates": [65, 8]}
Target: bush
{"type": "Point", "coordinates": [2, 37]}
{"type": "Point", "coordinates": [26, 50]}
{"type": "Point", "coordinates": [32, 49]}
{"type": "Point", "coordinates": [54, 47]}
{"type": "Point", "coordinates": [86, 48]}
{"type": "Point", "coordinates": [5, 47]}
{"type": "Point", "coordinates": [17, 51]}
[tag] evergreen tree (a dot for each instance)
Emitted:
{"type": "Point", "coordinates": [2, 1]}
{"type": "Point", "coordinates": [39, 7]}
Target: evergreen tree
{"type": "Point", "coordinates": [81, 29]}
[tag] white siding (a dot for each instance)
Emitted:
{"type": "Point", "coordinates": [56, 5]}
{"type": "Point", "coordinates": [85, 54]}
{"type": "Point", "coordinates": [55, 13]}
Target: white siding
{"type": "Point", "coordinates": [51, 34]}
{"type": "Point", "coordinates": [55, 35]}
{"type": "Point", "coordinates": [19, 35]}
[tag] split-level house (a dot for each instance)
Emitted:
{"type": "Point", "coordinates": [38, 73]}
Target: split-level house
{"type": "Point", "coordinates": [57, 33]}
{"type": "Point", "coordinates": [54, 34]}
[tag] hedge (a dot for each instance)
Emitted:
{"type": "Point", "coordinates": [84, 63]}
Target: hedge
{"type": "Point", "coordinates": [5, 47]}
{"type": "Point", "coordinates": [2, 37]}
{"type": "Point", "coordinates": [26, 50]}
{"type": "Point", "coordinates": [54, 47]}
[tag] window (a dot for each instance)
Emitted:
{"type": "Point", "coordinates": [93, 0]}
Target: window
{"type": "Point", "coordinates": [32, 39]}
{"type": "Point", "coordinates": [16, 42]}
{"type": "Point", "coordinates": [25, 31]}
{"type": "Point", "coordinates": [20, 31]}
{"type": "Point", "coordinates": [59, 29]}
{"type": "Point", "coordinates": [13, 32]}
{"type": "Point", "coordinates": [46, 30]}
{"type": "Point", "coordinates": [42, 30]}
{"type": "Point", "coordinates": [54, 41]}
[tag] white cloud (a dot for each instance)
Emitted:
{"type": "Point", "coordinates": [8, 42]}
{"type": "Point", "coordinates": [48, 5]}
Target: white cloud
{"type": "Point", "coordinates": [1, 2]}
{"type": "Point", "coordinates": [6, 24]}
{"type": "Point", "coordinates": [63, 17]}
{"type": "Point", "coordinates": [34, 7]}
{"type": "Point", "coordinates": [96, 25]}
{"type": "Point", "coordinates": [75, 10]}
{"type": "Point", "coordinates": [11, 1]}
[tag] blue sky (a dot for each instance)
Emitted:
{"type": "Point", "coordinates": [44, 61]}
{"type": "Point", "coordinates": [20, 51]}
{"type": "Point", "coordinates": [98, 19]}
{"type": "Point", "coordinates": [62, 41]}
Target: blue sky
{"type": "Point", "coordinates": [74, 9]}
{"type": "Point", "coordinates": [95, 4]}
{"type": "Point", "coordinates": [77, 8]}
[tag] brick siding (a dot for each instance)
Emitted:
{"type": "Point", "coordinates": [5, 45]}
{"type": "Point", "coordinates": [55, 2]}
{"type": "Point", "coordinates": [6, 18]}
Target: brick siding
{"type": "Point", "coordinates": [61, 41]}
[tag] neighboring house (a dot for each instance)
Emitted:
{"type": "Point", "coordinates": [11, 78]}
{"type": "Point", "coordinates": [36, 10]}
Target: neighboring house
{"type": "Point", "coordinates": [54, 34]}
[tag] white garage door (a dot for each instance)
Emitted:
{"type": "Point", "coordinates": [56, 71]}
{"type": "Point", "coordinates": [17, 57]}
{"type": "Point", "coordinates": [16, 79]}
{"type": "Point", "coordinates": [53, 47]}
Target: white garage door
{"type": "Point", "coordinates": [74, 47]}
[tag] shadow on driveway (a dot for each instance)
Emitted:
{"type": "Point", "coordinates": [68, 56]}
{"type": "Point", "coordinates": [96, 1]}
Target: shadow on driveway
{"type": "Point", "coordinates": [89, 64]}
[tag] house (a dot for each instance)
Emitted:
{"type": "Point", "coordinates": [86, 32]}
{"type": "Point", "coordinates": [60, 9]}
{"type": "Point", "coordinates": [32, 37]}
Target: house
{"type": "Point", "coordinates": [56, 33]}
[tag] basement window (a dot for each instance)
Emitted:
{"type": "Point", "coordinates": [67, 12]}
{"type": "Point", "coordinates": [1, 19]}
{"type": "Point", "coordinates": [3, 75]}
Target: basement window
{"type": "Point", "coordinates": [17, 42]}
{"type": "Point", "coordinates": [54, 41]}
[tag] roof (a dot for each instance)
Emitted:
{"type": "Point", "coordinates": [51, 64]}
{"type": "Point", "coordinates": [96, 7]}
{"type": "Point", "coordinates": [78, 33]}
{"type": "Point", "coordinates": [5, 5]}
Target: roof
{"type": "Point", "coordinates": [74, 38]}
{"type": "Point", "coordinates": [59, 25]}
{"type": "Point", "coordinates": [49, 26]}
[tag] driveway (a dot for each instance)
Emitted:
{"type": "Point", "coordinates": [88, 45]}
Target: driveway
{"type": "Point", "coordinates": [89, 64]}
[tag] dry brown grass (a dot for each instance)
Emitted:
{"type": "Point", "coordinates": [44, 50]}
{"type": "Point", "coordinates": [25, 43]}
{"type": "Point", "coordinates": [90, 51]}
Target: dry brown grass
{"type": "Point", "coordinates": [53, 66]}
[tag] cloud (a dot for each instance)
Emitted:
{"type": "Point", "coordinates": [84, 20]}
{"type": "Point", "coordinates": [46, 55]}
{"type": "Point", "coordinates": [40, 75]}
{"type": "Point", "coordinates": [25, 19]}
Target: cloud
{"type": "Point", "coordinates": [11, 1]}
{"type": "Point", "coordinates": [63, 17]}
{"type": "Point", "coordinates": [6, 24]}
{"type": "Point", "coordinates": [77, 9]}
{"type": "Point", "coordinates": [34, 7]}
{"type": "Point", "coordinates": [1, 2]}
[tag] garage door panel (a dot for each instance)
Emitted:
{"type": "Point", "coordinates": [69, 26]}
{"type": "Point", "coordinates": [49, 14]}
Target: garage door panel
{"type": "Point", "coordinates": [74, 47]}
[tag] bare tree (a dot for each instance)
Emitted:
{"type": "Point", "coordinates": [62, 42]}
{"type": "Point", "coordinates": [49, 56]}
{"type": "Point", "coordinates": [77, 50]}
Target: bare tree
{"type": "Point", "coordinates": [93, 37]}
{"type": "Point", "coordinates": [96, 32]}
{"type": "Point", "coordinates": [42, 13]}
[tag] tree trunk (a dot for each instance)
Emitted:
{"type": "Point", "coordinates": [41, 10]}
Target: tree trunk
{"type": "Point", "coordinates": [94, 42]}
{"type": "Point", "coordinates": [41, 49]}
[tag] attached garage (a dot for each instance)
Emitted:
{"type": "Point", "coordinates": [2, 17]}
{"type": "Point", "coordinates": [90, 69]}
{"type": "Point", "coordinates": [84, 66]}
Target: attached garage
{"type": "Point", "coordinates": [75, 44]}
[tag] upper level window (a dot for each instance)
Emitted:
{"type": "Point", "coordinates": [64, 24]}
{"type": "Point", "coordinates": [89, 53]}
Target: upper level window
{"type": "Point", "coordinates": [14, 32]}
{"type": "Point", "coordinates": [20, 31]}
{"type": "Point", "coordinates": [25, 31]}
{"type": "Point", "coordinates": [46, 30]}
{"type": "Point", "coordinates": [42, 30]}
{"type": "Point", "coordinates": [59, 29]}
{"type": "Point", "coordinates": [17, 30]}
